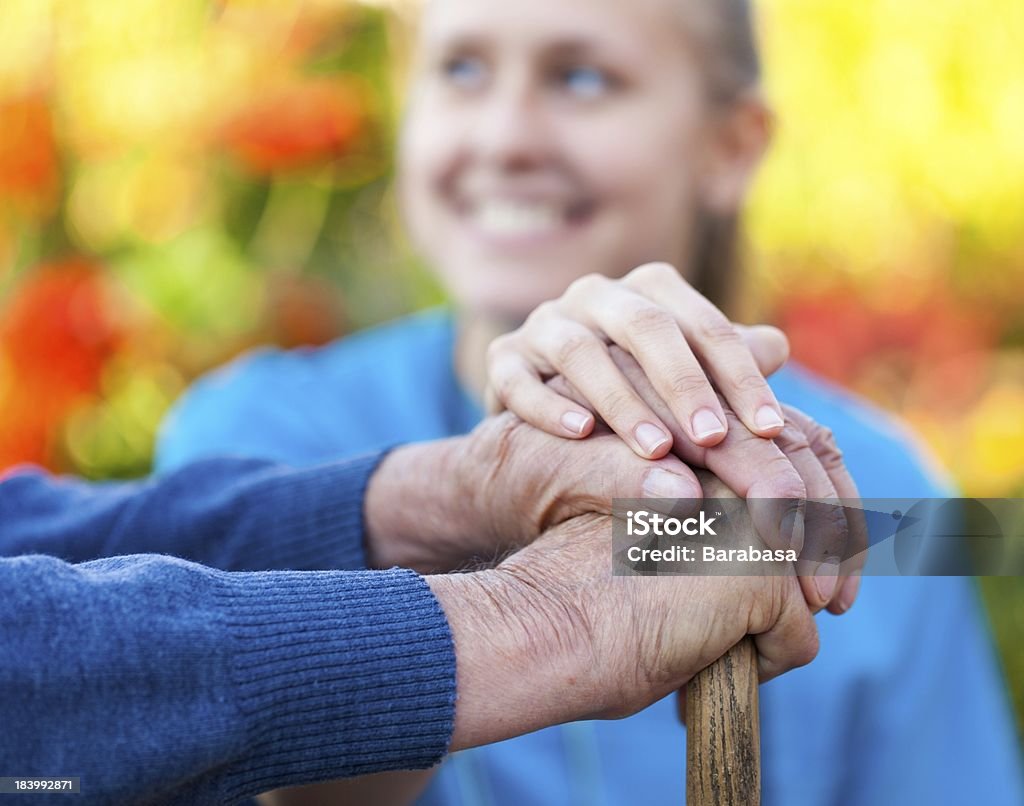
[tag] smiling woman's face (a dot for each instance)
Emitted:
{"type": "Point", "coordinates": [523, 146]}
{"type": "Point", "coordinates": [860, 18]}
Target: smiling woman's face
{"type": "Point", "coordinates": [547, 140]}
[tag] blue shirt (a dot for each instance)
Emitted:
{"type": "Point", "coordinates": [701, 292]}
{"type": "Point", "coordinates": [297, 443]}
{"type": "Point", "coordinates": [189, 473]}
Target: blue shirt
{"type": "Point", "coordinates": [904, 704]}
{"type": "Point", "coordinates": [162, 681]}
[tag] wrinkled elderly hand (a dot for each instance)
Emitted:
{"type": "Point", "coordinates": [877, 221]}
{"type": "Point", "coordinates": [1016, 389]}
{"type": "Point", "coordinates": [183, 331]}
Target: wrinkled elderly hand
{"type": "Point", "coordinates": [442, 505]}
{"type": "Point", "coordinates": [550, 636]}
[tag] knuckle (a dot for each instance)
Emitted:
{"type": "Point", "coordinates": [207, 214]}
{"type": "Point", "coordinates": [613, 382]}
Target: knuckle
{"type": "Point", "coordinates": [573, 349]}
{"type": "Point", "coordinates": [792, 439]}
{"type": "Point", "coordinates": [586, 285]}
{"type": "Point", "coordinates": [500, 347]}
{"type": "Point", "coordinates": [717, 330]}
{"type": "Point", "coordinates": [655, 272]}
{"type": "Point", "coordinates": [823, 443]}
{"type": "Point", "coordinates": [649, 319]}
{"type": "Point", "coordinates": [544, 312]}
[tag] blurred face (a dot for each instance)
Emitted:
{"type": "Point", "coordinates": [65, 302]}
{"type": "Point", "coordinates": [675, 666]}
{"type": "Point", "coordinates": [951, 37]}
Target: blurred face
{"type": "Point", "coordinates": [547, 140]}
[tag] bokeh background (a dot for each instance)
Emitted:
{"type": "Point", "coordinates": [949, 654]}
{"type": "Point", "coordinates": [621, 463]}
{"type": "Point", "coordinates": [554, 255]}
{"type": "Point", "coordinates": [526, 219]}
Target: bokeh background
{"type": "Point", "coordinates": [182, 180]}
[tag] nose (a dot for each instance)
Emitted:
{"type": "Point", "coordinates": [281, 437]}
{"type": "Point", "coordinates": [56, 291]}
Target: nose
{"type": "Point", "coordinates": [511, 131]}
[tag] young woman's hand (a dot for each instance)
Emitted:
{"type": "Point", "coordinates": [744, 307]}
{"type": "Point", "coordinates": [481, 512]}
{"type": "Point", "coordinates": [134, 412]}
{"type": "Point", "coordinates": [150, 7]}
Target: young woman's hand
{"type": "Point", "coordinates": [797, 480]}
{"type": "Point", "coordinates": [681, 340]}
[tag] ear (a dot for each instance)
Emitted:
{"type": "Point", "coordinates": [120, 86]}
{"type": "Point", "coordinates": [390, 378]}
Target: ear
{"type": "Point", "coordinates": [738, 140]}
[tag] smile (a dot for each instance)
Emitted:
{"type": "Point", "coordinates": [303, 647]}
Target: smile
{"type": "Point", "coordinates": [504, 219]}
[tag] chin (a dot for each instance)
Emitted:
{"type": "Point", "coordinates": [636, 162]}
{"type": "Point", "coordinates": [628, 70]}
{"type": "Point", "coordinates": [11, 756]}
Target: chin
{"type": "Point", "coordinates": [504, 289]}
{"type": "Point", "coordinates": [509, 304]}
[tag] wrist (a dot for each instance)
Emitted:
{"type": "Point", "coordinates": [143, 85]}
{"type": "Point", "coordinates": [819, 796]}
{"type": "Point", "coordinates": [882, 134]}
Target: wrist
{"type": "Point", "coordinates": [415, 508]}
{"type": "Point", "coordinates": [522, 661]}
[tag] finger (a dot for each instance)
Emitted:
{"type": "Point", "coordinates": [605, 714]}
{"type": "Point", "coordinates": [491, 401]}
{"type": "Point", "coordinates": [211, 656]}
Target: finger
{"type": "Point", "coordinates": [792, 641]}
{"type": "Point", "coordinates": [519, 388]}
{"type": "Point", "coordinates": [651, 334]}
{"type": "Point", "coordinates": [583, 359]}
{"type": "Point", "coordinates": [823, 444]}
{"type": "Point", "coordinates": [768, 345]}
{"type": "Point", "coordinates": [718, 345]}
{"type": "Point", "coordinates": [826, 531]}
{"type": "Point", "coordinates": [753, 468]}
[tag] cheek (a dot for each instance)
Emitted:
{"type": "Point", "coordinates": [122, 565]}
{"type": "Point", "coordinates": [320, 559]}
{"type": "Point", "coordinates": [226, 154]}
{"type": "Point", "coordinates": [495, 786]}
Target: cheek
{"type": "Point", "coordinates": [426, 150]}
{"type": "Point", "coordinates": [648, 190]}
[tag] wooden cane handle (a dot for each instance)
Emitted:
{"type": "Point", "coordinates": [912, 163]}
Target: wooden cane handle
{"type": "Point", "coordinates": [723, 739]}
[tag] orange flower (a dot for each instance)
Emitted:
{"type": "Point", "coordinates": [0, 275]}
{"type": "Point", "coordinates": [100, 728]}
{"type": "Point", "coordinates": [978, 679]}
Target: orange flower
{"type": "Point", "coordinates": [28, 154]}
{"type": "Point", "coordinates": [302, 124]}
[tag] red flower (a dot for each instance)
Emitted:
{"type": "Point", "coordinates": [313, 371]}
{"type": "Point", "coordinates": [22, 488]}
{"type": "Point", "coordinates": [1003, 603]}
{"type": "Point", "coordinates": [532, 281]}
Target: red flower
{"type": "Point", "coordinates": [295, 126]}
{"type": "Point", "coordinates": [56, 335]}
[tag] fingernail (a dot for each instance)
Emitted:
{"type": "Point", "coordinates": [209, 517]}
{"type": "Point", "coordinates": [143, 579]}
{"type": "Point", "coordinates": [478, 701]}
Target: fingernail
{"type": "Point", "coordinates": [575, 422]}
{"type": "Point", "coordinates": [848, 595]}
{"type": "Point", "coordinates": [791, 528]}
{"type": "Point", "coordinates": [663, 484]}
{"type": "Point", "coordinates": [767, 418]}
{"type": "Point", "coordinates": [650, 437]}
{"type": "Point", "coordinates": [826, 576]}
{"type": "Point", "coordinates": [706, 424]}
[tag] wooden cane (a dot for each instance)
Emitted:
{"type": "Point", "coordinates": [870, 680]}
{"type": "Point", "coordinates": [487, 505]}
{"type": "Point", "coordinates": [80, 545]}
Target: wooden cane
{"type": "Point", "coordinates": [723, 732]}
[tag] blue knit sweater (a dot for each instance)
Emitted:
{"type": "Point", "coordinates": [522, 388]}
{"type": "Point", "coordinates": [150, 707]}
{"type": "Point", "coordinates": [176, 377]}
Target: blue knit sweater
{"type": "Point", "coordinates": [160, 680]}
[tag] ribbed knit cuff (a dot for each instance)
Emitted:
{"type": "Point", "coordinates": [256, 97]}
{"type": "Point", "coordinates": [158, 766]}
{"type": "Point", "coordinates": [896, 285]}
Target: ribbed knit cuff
{"type": "Point", "coordinates": [315, 515]}
{"type": "Point", "coordinates": [339, 674]}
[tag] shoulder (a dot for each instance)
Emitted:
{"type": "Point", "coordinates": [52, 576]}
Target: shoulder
{"type": "Point", "coordinates": [276, 403]}
{"type": "Point", "coordinates": [886, 459]}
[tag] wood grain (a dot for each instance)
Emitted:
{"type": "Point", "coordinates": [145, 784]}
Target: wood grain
{"type": "Point", "coordinates": [723, 740]}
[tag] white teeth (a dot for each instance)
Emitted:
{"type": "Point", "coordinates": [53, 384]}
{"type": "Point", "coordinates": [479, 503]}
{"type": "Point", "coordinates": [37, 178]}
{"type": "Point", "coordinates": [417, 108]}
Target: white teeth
{"type": "Point", "coordinates": [518, 218]}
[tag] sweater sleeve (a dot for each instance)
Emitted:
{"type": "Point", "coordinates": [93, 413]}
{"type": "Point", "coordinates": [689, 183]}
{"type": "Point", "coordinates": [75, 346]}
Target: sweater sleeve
{"type": "Point", "coordinates": [158, 680]}
{"type": "Point", "coordinates": [234, 514]}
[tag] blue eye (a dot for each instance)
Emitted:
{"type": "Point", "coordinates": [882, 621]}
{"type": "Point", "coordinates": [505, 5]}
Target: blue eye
{"type": "Point", "coordinates": [465, 72]}
{"type": "Point", "coordinates": [586, 82]}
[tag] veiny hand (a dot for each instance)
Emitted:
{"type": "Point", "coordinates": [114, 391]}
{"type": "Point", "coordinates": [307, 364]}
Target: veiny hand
{"type": "Point", "coordinates": [679, 338]}
{"type": "Point", "coordinates": [442, 505]}
{"type": "Point", "coordinates": [551, 636]}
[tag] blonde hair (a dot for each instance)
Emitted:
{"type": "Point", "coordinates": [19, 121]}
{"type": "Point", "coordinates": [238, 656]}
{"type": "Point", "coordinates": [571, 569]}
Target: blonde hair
{"type": "Point", "coordinates": [723, 32]}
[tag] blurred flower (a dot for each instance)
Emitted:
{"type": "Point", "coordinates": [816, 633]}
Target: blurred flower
{"type": "Point", "coordinates": [299, 124]}
{"type": "Point", "coordinates": [304, 310]}
{"type": "Point", "coordinates": [935, 340]}
{"type": "Point", "coordinates": [28, 156]}
{"type": "Point", "coordinates": [56, 334]}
